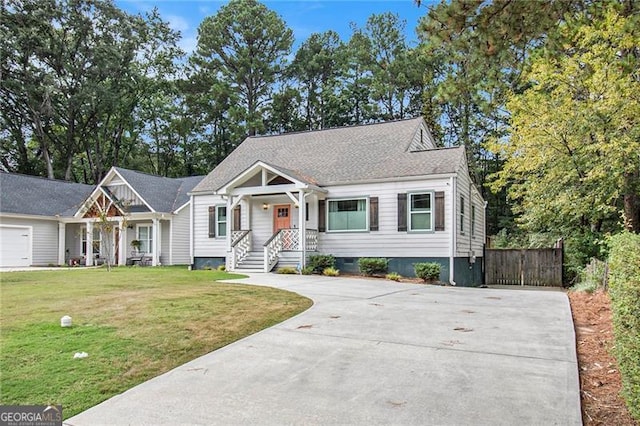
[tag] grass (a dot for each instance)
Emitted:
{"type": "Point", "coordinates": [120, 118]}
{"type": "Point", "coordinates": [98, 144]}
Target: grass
{"type": "Point", "coordinates": [135, 323]}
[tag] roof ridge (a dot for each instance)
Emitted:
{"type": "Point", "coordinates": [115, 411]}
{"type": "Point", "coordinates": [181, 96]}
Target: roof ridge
{"type": "Point", "coordinates": [351, 126]}
{"type": "Point", "coordinates": [151, 174]}
{"type": "Point", "coordinates": [43, 178]}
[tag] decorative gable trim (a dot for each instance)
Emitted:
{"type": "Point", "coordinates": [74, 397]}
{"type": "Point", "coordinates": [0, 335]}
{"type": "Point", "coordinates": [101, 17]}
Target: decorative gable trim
{"type": "Point", "coordinates": [266, 183]}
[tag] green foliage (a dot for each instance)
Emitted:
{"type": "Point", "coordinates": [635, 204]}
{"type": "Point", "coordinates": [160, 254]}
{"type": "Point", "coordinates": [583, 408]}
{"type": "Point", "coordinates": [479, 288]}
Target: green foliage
{"type": "Point", "coordinates": [584, 173]}
{"type": "Point", "coordinates": [428, 271]}
{"type": "Point", "coordinates": [331, 272]}
{"type": "Point", "coordinates": [393, 276]}
{"type": "Point", "coordinates": [245, 44]}
{"type": "Point", "coordinates": [318, 262]}
{"type": "Point", "coordinates": [592, 277]}
{"type": "Point", "coordinates": [624, 284]}
{"type": "Point", "coordinates": [221, 268]}
{"type": "Point", "coordinates": [373, 265]}
{"type": "Point", "coordinates": [307, 270]}
{"type": "Point", "coordinates": [288, 270]}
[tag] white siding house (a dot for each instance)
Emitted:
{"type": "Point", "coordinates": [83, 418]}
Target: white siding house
{"type": "Point", "coordinates": [54, 222]}
{"type": "Point", "coordinates": [379, 190]}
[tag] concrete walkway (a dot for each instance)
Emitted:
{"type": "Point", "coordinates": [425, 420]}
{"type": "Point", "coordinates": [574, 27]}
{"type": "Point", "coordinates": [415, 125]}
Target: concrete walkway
{"type": "Point", "coordinates": [376, 352]}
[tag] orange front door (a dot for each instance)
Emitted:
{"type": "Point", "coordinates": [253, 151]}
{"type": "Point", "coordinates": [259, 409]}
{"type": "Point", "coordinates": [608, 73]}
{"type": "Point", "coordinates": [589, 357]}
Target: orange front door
{"type": "Point", "coordinates": [281, 217]}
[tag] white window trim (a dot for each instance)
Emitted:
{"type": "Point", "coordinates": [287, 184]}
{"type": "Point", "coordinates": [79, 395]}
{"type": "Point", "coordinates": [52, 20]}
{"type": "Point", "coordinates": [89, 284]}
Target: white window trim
{"type": "Point", "coordinates": [218, 221]}
{"type": "Point", "coordinates": [473, 220]}
{"type": "Point", "coordinates": [462, 213]}
{"type": "Point", "coordinates": [431, 211]}
{"type": "Point", "coordinates": [83, 239]}
{"type": "Point", "coordinates": [146, 225]}
{"type": "Point", "coordinates": [338, 231]}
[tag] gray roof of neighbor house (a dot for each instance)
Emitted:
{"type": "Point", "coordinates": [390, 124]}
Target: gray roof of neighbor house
{"type": "Point", "coordinates": [163, 194]}
{"type": "Point", "coordinates": [340, 155]}
{"type": "Point", "coordinates": [32, 195]}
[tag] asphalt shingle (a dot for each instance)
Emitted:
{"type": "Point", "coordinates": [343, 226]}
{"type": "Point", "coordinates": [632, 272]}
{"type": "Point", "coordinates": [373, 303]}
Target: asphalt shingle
{"type": "Point", "coordinates": [338, 156]}
{"type": "Point", "coordinates": [32, 195]}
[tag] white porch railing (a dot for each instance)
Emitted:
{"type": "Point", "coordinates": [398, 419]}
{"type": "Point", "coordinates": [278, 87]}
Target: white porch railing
{"type": "Point", "coordinates": [240, 247]}
{"type": "Point", "coordinates": [311, 240]}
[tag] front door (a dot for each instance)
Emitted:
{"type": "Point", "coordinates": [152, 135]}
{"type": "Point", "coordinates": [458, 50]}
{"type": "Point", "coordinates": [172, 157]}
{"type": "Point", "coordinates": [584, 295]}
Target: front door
{"type": "Point", "coordinates": [281, 217]}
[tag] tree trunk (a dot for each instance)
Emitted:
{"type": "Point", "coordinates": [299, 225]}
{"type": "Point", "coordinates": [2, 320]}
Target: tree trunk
{"type": "Point", "coordinates": [632, 202]}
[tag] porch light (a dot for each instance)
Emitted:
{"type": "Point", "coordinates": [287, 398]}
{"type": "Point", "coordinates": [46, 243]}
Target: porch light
{"type": "Point", "coordinates": [265, 206]}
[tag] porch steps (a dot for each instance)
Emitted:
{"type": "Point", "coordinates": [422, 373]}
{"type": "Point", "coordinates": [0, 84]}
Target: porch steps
{"type": "Point", "coordinates": [254, 262]}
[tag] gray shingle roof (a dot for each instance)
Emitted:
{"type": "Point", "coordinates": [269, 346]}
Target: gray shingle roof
{"type": "Point", "coordinates": [163, 194]}
{"type": "Point", "coordinates": [341, 155]}
{"type": "Point", "coordinates": [32, 195]}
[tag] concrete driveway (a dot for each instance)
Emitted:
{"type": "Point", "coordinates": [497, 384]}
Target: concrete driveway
{"type": "Point", "coordinates": [377, 352]}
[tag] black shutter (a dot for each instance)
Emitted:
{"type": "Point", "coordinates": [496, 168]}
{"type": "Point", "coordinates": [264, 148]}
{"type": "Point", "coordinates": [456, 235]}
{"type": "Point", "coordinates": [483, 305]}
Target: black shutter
{"type": "Point", "coordinates": [212, 221]}
{"type": "Point", "coordinates": [439, 211]}
{"type": "Point", "coordinates": [402, 212]}
{"type": "Point", "coordinates": [237, 218]}
{"type": "Point", "coordinates": [373, 213]}
{"type": "Point", "coordinates": [322, 214]}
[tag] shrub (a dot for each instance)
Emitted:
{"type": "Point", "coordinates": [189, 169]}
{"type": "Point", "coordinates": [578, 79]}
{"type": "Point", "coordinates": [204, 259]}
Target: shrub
{"type": "Point", "coordinates": [393, 276]}
{"type": "Point", "coordinates": [222, 268]}
{"type": "Point", "coordinates": [288, 270]}
{"type": "Point", "coordinates": [331, 272]}
{"type": "Point", "coordinates": [624, 285]}
{"type": "Point", "coordinates": [373, 265]}
{"type": "Point", "coordinates": [592, 277]}
{"type": "Point", "coordinates": [319, 262]}
{"type": "Point", "coordinates": [307, 270]}
{"type": "Point", "coordinates": [428, 271]}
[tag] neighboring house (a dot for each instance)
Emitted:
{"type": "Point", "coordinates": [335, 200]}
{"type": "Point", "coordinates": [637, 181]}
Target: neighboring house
{"type": "Point", "coordinates": [47, 222]}
{"type": "Point", "coordinates": [378, 190]}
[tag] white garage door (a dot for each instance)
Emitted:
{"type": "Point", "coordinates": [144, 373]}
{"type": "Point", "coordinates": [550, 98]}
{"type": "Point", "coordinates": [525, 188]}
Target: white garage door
{"type": "Point", "coordinates": [14, 246]}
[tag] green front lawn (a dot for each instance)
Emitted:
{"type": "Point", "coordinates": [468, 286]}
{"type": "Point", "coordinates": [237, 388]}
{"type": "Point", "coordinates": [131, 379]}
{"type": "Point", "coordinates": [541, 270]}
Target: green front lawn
{"type": "Point", "coordinates": [135, 323]}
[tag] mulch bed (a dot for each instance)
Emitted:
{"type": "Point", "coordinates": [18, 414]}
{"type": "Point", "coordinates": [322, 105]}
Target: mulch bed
{"type": "Point", "coordinates": [600, 382]}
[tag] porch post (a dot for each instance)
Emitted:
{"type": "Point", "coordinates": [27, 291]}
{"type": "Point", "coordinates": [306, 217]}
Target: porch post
{"type": "Point", "coordinates": [61, 243]}
{"type": "Point", "coordinates": [156, 242]}
{"type": "Point", "coordinates": [122, 243]}
{"type": "Point", "coordinates": [229, 260]}
{"type": "Point", "coordinates": [302, 226]}
{"type": "Point", "coordinates": [89, 249]}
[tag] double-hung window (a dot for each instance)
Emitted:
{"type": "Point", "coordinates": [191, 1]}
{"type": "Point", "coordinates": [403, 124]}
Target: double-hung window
{"type": "Point", "coordinates": [145, 236]}
{"type": "Point", "coordinates": [221, 221]}
{"type": "Point", "coordinates": [95, 243]}
{"type": "Point", "coordinates": [347, 215]}
{"type": "Point", "coordinates": [421, 211]}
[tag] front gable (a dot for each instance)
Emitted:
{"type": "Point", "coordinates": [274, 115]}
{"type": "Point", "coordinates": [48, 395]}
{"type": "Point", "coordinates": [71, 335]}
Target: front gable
{"type": "Point", "coordinates": [113, 196]}
{"type": "Point", "coordinates": [265, 178]}
{"type": "Point", "coordinates": [102, 205]}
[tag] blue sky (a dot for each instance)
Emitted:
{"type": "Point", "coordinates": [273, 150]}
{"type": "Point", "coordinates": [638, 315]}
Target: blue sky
{"type": "Point", "coordinates": [304, 17]}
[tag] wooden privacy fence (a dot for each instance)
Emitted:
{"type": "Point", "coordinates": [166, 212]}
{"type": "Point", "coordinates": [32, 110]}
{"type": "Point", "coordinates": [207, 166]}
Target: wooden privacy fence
{"type": "Point", "coordinates": [535, 267]}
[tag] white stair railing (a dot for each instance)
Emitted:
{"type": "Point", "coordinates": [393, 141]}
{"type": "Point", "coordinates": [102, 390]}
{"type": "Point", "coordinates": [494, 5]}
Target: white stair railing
{"type": "Point", "coordinates": [240, 247]}
{"type": "Point", "coordinates": [272, 249]}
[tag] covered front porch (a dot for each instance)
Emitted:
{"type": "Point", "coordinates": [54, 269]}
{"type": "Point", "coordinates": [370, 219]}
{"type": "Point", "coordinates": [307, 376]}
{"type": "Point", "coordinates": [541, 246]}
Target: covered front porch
{"type": "Point", "coordinates": [273, 218]}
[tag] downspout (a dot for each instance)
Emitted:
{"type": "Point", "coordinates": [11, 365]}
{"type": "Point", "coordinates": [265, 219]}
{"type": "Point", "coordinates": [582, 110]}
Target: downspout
{"type": "Point", "coordinates": [452, 245]}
